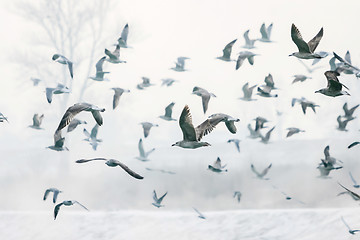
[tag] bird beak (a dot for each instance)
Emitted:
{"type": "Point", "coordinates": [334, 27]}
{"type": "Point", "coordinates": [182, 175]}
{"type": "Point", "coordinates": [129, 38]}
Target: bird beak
{"type": "Point", "coordinates": [317, 91]}
{"type": "Point", "coordinates": [173, 145]}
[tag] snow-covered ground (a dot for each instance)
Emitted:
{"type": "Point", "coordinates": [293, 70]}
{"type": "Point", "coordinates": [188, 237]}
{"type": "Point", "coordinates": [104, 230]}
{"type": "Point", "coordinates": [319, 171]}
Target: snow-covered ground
{"type": "Point", "coordinates": [314, 224]}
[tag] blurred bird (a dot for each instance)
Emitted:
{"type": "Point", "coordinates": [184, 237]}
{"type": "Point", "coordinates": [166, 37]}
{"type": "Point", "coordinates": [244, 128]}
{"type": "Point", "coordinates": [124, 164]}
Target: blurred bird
{"type": "Point", "coordinates": [306, 50]}
{"type": "Point", "coordinates": [117, 94]}
{"type": "Point", "coordinates": [63, 60]}
{"type": "Point", "coordinates": [325, 169]}
{"type": "Point", "coordinates": [66, 203]}
{"type": "Point", "coordinates": [300, 78]}
{"type": "Point", "coordinates": [217, 167]}
{"type": "Point", "coordinates": [113, 163]}
{"type": "Point", "coordinates": [180, 64]}
{"type": "Point", "coordinates": [236, 142]}
{"type": "Point", "coordinates": [205, 96]}
{"type": "Point", "coordinates": [147, 126]}
{"type": "Point", "coordinates": [122, 41]}
{"type": "Point", "coordinates": [168, 113]}
{"type": "Point", "coordinates": [160, 170]}
{"type": "Point", "coordinates": [99, 76]}
{"type": "Point", "coordinates": [304, 104]}
{"type": "Point", "coordinates": [349, 112]}
{"type": "Point", "coordinates": [259, 123]}
{"type": "Point", "coordinates": [37, 120]}
{"type": "Point", "coordinates": [200, 215]}
{"type": "Point", "coordinates": [334, 87]}
{"type": "Point", "coordinates": [227, 52]}
{"type": "Point", "coordinates": [248, 92]}
{"type": "Point", "coordinates": [35, 81]}
{"type": "Point", "coordinates": [114, 57]}
{"type": "Point", "coordinates": [328, 159]}
{"type": "Point", "coordinates": [72, 111]}
{"type": "Point", "coordinates": [292, 131]}
{"type": "Point", "coordinates": [58, 142]}
{"type": "Point", "coordinates": [157, 201]}
{"type": "Point", "coordinates": [354, 195]}
{"type": "Point", "coordinates": [269, 82]}
{"type": "Point", "coordinates": [262, 174]}
{"type": "Point", "coordinates": [354, 181]}
{"type": "Point", "coordinates": [342, 124]}
{"type": "Point", "coordinates": [143, 156]}
{"type": "Point", "coordinates": [92, 137]}
{"type": "Point", "coordinates": [74, 123]}
{"type": "Point", "coordinates": [351, 231]}
{"type": "Point", "coordinates": [55, 192]}
{"type": "Point", "coordinates": [265, 33]}
{"type": "Point", "coordinates": [265, 139]}
{"type": "Point", "coordinates": [145, 83]}
{"type": "Point", "coordinates": [168, 82]}
{"type": "Point", "coordinates": [237, 196]}
{"type": "Point", "coordinates": [58, 90]}
{"type": "Point", "coordinates": [345, 65]}
{"type": "Point", "coordinates": [249, 43]}
{"type": "Point", "coordinates": [245, 55]}
{"type": "Point", "coordinates": [265, 92]}
{"type": "Point", "coordinates": [253, 132]}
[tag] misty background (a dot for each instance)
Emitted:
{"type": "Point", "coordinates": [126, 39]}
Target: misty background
{"type": "Point", "coordinates": [159, 32]}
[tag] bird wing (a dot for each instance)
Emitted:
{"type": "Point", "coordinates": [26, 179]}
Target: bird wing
{"type": "Point", "coordinates": [267, 136]}
{"type": "Point", "coordinates": [94, 131]}
{"type": "Point", "coordinates": [217, 163]}
{"type": "Point", "coordinates": [46, 194]}
{"type": "Point", "coordinates": [70, 66]}
{"type": "Point", "coordinates": [346, 110]}
{"type": "Point", "coordinates": [290, 133]}
{"type": "Point", "coordinates": [148, 152]}
{"type": "Point", "coordinates": [240, 61]}
{"type": "Point", "coordinates": [352, 110]}
{"type": "Point", "coordinates": [128, 170]}
{"type": "Point", "coordinates": [81, 205]}
{"type": "Point", "coordinates": [200, 214]}
{"type": "Point", "coordinates": [155, 196]}
{"type": "Point", "coordinates": [205, 97]}
{"type": "Point", "coordinates": [185, 122]}
{"type": "Point", "coordinates": [58, 140]}
{"type": "Point", "coordinates": [348, 57]}
{"type": "Point", "coordinates": [353, 144]}
{"type": "Point", "coordinates": [71, 113]}
{"type": "Point", "coordinates": [327, 152]}
{"type": "Point", "coordinates": [56, 193]}
{"type": "Point", "coordinates": [206, 127]}
{"type": "Point", "coordinates": [304, 105]}
{"type": "Point", "coordinates": [269, 81]}
{"type": "Point", "coordinates": [255, 171]}
{"type": "Point", "coordinates": [146, 130]}
{"type": "Point", "coordinates": [49, 94]}
{"type": "Point", "coordinates": [91, 159]}
{"type": "Point", "coordinates": [168, 110]}
{"type": "Point", "coordinates": [343, 220]}
{"type": "Point", "coordinates": [247, 39]}
{"type": "Point", "coordinates": [228, 48]}
{"type": "Point", "coordinates": [87, 134]}
{"type": "Point", "coordinates": [111, 56]}
{"type": "Point", "coordinates": [269, 28]}
{"type": "Point", "coordinates": [141, 148]}
{"type": "Point", "coordinates": [266, 170]}
{"type": "Point", "coordinates": [97, 116]}
{"type": "Point", "coordinates": [99, 64]}
{"type": "Point", "coordinates": [251, 59]}
{"type": "Point", "coordinates": [313, 43]}
{"type": "Point", "coordinates": [125, 33]}
{"type": "Point", "coordinates": [116, 99]}
{"type": "Point", "coordinates": [264, 34]}
{"type": "Point", "coordinates": [352, 178]}
{"type": "Point", "coordinates": [231, 126]}
{"type": "Point", "coordinates": [56, 209]}
{"type": "Point", "coordinates": [345, 62]}
{"type": "Point", "coordinates": [351, 192]}
{"type": "Point", "coordinates": [36, 121]}
{"type": "Point", "coordinates": [298, 40]}
{"type": "Point", "coordinates": [265, 91]}
{"type": "Point", "coordinates": [162, 197]}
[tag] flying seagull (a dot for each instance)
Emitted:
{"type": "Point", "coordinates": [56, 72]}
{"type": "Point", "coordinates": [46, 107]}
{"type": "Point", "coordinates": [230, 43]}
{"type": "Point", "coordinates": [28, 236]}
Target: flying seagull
{"type": "Point", "coordinates": [72, 111]}
{"type": "Point", "coordinates": [353, 180]}
{"type": "Point", "coordinates": [217, 167]}
{"type": "Point", "coordinates": [63, 60]}
{"type": "Point", "coordinates": [66, 203]}
{"type": "Point", "coordinates": [346, 65]}
{"type": "Point", "coordinates": [157, 201]}
{"type": "Point", "coordinates": [145, 83]}
{"type": "Point", "coordinates": [237, 195]}
{"type": "Point", "coordinates": [249, 43]}
{"type": "Point", "coordinates": [351, 231]}
{"type": "Point", "coordinates": [168, 82]}
{"type": "Point", "coordinates": [200, 214]}
{"type": "Point", "coordinates": [269, 82]}
{"type": "Point", "coordinates": [205, 96]}
{"type": "Point", "coordinates": [300, 78]}
{"type": "Point", "coordinates": [74, 123]}
{"type": "Point", "coordinates": [92, 137]}
{"type": "Point", "coordinates": [245, 55]}
{"type": "Point", "coordinates": [2, 118]}
{"type": "Point", "coordinates": [292, 131]}
{"type": "Point", "coordinates": [99, 76]}
{"type": "Point", "coordinates": [259, 123]}
{"type": "Point", "coordinates": [168, 112]}
{"type": "Point", "coordinates": [248, 92]}
{"type": "Point", "coordinates": [122, 41]}
{"type": "Point", "coordinates": [227, 52]}
{"type": "Point", "coordinates": [236, 142]}
{"type": "Point", "coordinates": [117, 94]}
{"type": "Point", "coordinates": [326, 168]}
{"type": "Point", "coordinates": [253, 132]}
{"type": "Point", "coordinates": [37, 120]}
{"type": "Point", "coordinates": [334, 87]}
{"type": "Point", "coordinates": [58, 142]}
{"type": "Point", "coordinates": [58, 90]}
{"type": "Point", "coordinates": [143, 156]}
{"type": "Point", "coordinates": [349, 112]}
{"type": "Point", "coordinates": [113, 163]}
{"type": "Point", "coordinates": [263, 173]}
{"type": "Point", "coordinates": [228, 120]}
{"type": "Point", "coordinates": [147, 126]}
{"type": "Point", "coordinates": [265, 139]}
{"type": "Point", "coordinates": [342, 123]}
{"type": "Point", "coordinates": [306, 50]}
{"type": "Point", "coordinates": [55, 192]}
{"type": "Point", "coordinates": [35, 81]}
{"type": "Point", "coordinates": [265, 92]}
{"type": "Point", "coordinates": [265, 33]}
{"type": "Point", "coordinates": [304, 104]}
{"type": "Point", "coordinates": [114, 57]}
{"type": "Point", "coordinates": [180, 64]}
{"type": "Point", "coordinates": [328, 159]}
{"type": "Point", "coordinates": [192, 135]}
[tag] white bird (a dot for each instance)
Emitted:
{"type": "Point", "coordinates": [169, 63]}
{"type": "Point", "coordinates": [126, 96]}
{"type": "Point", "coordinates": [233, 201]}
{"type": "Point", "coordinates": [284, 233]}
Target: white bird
{"type": "Point", "coordinates": [248, 92]}
{"type": "Point", "coordinates": [58, 142]}
{"type": "Point", "coordinates": [92, 137]}
{"type": "Point", "coordinates": [58, 90]}
{"type": "Point", "coordinates": [249, 43]}
{"type": "Point", "coordinates": [114, 57]}
{"type": "Point", "coordinates": [35, 81]}
{"type": "Point", "coordinates": [37, 120]}
{"type": "Point", "coordinates": [229, 121]}
{"type": "Point", "coordinates": [306, 50]}
{"type": "Point", "coordinates": [157, 201]}
{"type": "Point", "coordinates": [236, 142]}
{"type": "Point", "coordinates": [117, 94]}
{"type": "Point", "coordinates": [342, 123]}
{"type": "Point", "coordinates": [265, 139]}
{"type": "Point", "coordinates": [66, 203]}
{"type": "Point", "coordinates": [55, 192]}
{"type": "Point", "coordinates": [145, 83]}
{"type": "Point", "coordinates": [63, 60]}
{"type": "Point", "coordinates": [168, 113]}
{"type": "Point", "coordinates": [200, 215]}
{"type": "Point", "coordinates": [217, 167]}
{"type": "Point", "coordinates": [265, 33]}
{"type": "Point", "coordinates": [245, 55]}
{"type": "Point", "coordinates": [263, 173]}
{"type": "Point", "coordinates": [168, 82]}
{"type": "Point", "coordinates": [74, 123]}
{"type": "Point", "coordinates": [334, 87]}
{"type": "Point", "coordinates": [180, 64]}
{"type": "Point", "coordinates": [349, 112]}
{"type": "Point", "coordinates": [113, 163]}
{"type": "Point", "coordinates": [147, 126]}
{"type": "Point", "coordinates": [356, 185]}
{"type": "Point", "coordinates": [99, 76]}
{"type": "Point", "coordinates": [143, 156]}
{"type": "Point", "coordinates": [292, 131]}
{"type": "Point", "coordinates": [237, 195]}
{"type": "Point", "coordinates": [205, 96]}
{"type": "Point", "coordinates": [300, 78]}
{"type": "Point", "coordinates": [227, 52]}
{"type": "Point", "coordinates": [265, 91]}
{"type": "Point", "coordinates": [304, 104]}
{"type": "Point", "coordinates": [72, 111]}
{"type": "Point", "coordinates": [122, 41]}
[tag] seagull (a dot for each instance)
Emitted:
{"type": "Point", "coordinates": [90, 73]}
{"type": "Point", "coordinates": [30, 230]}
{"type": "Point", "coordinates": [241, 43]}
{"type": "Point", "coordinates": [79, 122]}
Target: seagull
{"type": "Point", "coordinates": [37, 119]}
{"type": "Point", "coordinates": [262, 174]}
{"type": "Point", "coordinates": [227, 51]}
{"type": "Point", "coordinates": [354, 181]}
{"type": "Point", "coordinates": [157, 201]}
{"type": "Point", "coordinates": [58, 90]}
{"type": "Point", "coordinates": [168, 112]}
{"type": "Point", "coordinates": [77, 108]}
{"type": "Point", "coordinates": [35, 81]}
{"type": "Point", "coordinates": [354, 195]}
{"type": "Point", "coordinates": [259, 123]}
{"type": "Point", "coordinates": [249, 43]}
{"type": "Point", "coordinates": [113, 163]}
{"type": "Point", "coordinates": [342, 124]}
{"type": "Point", "coordinates": [143, 155]}
{"type": "Point", "coordinates": [237, 195]}
{"type": "Point", "coordinates": [326, 168]}
{"type": "Point", "coordinates": [245, 55]}
{"type": "Point", "coordinates": [292, 131]}
{"type": "Point", "coordinates": [200, 214]}
{"type": "Point", "coordinates": [55, 192]}
{"type": "Point", "coordinates": [147, 126]}
{"type": "Point", "coordinates": [269, 82]}
{"type": "Point", "coordinates": [253, 132]}
{"type": "Point", "coordinates": [306, 50]}
{"type": "Point", "coordinates": [229, 121]}
{"type": "Point", "coordinates": [192, 135]}
{"type": "Point", "coordinates": [117, 94]}
{"type": "Point", "coordinates": [58, 142]}
{"type": "Point", "coordinates": [265, 33]}
{"type": "Point", "coordinates": [99, 76]}
{"type": "Point", "coordinates": [353, 144]}
{"type": "Point", "coordinates": [122, 41]}
{"type": "Point", "coordinates": [217, 167]}
{"type": "Point", "coordinates": [334, 87]}
{"type": "Point", "coordinates": [248, 92]}
{"type": "Point", "coordinates": [74, 123]}
{"type": "Point", "coordinates": [205, 96]}
{"type": "Point", "coordinates": [63, 60]}
{"type": "Point", "coordinates": [160, 170]}
{"type": "Point", "coordinates": [114, 57]}
{"type": "Point", "coordinates": [267, 136]}
{"type": "Point", "coordinates": [304, 104]}
{"type": "Point", "coordinates": [168, 82]}
{"type": "Point", "coordinates": [266, 92]}
{"type": "Point", "coordinates": [92, 137]}
{"type": "Point", "coordinates": [351, 231]}
{"type": "Point", "coordinates": [328, 159]}
{"type": "Point", "coordinates": [349, 112]}
{"type": "Point", "coordinates": [66, 203]}
{"type": "Point", "coordinates": [180, 64]}
{"type": "Point", "coordinates": [146, 83]}
{"type": "Point", "coordinates": [236, 142]}
{"type": "Point", "coordinates": [2, 118]}
{"type": "Point", "coordinates": [345, 65]}
{"type": "Point", "coordinates": [300, 78]}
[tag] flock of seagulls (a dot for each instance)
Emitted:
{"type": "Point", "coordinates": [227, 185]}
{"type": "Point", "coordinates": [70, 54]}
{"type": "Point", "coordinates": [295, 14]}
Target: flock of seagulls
{"type": "Point", "coordinates": [192, 136]}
